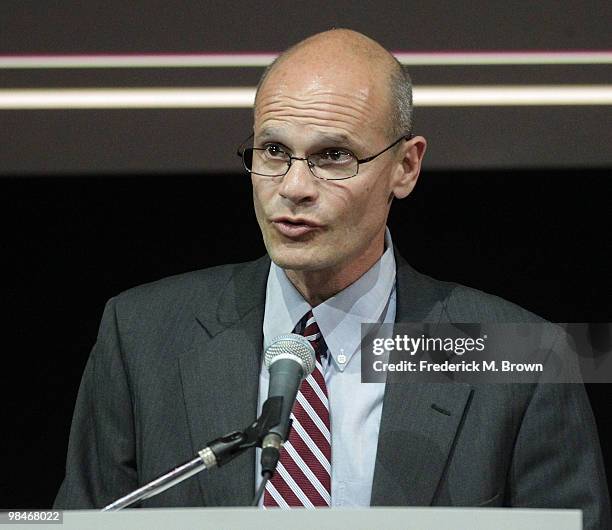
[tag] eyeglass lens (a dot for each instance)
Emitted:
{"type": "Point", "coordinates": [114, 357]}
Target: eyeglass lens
{"type": "Point", "coordinates": [329, 166]}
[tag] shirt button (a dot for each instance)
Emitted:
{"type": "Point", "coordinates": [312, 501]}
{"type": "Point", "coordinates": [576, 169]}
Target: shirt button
{"type": "Point", "coordinates": [342, 358]}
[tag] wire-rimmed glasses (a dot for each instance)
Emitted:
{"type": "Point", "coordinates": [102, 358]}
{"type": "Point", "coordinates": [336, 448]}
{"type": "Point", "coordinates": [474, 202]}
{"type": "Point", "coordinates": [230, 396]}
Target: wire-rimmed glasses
{"type": "Point", "coordinates": [273, 160]}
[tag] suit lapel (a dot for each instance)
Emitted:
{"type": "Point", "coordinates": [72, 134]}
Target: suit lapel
{"type": "Point", "coordinates": [220, 378]}
{"type": "Point", "coordinates": [419, 420]}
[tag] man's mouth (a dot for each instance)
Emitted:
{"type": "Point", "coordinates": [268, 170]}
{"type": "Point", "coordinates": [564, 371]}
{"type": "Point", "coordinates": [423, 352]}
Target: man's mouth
{"type": "Point", "coordinates": [294, 227]}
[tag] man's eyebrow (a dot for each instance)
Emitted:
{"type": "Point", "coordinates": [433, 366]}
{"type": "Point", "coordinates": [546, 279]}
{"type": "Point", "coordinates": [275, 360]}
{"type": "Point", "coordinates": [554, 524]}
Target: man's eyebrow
{"type": "Point", "coordinates": [266, 134]}
{"type": "Point", "coordinates": [334, 138]}
{"type": "Point", "coordinates": [320, 139]}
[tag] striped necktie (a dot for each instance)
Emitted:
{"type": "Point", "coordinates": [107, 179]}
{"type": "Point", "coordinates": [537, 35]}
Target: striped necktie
{"type": "Point", "coordinates": [303, 474]}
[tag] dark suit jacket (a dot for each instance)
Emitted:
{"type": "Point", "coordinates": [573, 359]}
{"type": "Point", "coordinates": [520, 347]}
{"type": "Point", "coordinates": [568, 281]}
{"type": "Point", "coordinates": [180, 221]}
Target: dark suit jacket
{"type": "Point", "coordinates": [177, 363]}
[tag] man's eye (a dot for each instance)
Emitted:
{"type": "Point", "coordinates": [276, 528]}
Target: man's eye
{"type": "Point", "coordinates": [274, 151]}
{"type": "Point", "coordinates": [336, 155]}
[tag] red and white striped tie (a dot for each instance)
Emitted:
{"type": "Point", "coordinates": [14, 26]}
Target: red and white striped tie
{"type": "Point", "coordinates": [303, 474]}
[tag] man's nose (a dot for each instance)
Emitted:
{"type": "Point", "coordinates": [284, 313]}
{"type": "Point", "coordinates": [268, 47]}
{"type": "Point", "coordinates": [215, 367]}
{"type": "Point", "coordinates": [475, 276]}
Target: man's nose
{"type": "Point", "coordinates": [298, 184]}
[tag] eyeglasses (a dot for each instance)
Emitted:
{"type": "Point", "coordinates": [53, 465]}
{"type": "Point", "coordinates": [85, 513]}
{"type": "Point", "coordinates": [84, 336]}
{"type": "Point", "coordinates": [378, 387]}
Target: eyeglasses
{"type": "Point", "coordinates": [330, 164]}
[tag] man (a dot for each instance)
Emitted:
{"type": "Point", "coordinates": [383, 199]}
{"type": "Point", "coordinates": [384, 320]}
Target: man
{"type": "Point", "coordinates": [178, 362]}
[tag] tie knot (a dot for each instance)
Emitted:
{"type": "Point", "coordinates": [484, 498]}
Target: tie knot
{"type": "Point", "coordinates": [311, 332]}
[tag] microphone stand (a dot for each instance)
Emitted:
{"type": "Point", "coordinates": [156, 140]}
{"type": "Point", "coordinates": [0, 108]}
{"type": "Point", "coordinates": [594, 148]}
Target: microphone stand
{"type": "Point", "coordinates": [216, 454]}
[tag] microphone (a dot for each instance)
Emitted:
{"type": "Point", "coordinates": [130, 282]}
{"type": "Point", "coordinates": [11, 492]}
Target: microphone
{"type": "Point", "coordinates": [290, 358]}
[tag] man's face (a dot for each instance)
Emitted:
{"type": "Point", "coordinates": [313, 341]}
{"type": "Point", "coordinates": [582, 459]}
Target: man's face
{"type": "Point", "coordinates": [309, 224]}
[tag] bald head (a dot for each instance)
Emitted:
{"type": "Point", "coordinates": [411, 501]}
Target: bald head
{"type": "Point", "coordinates": [329, 156]}
{"type": "Point", "coordinates": [342, 54]}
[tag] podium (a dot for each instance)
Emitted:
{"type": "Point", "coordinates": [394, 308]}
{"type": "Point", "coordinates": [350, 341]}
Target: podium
{"type": "Point", "coordinates": [323, 519]}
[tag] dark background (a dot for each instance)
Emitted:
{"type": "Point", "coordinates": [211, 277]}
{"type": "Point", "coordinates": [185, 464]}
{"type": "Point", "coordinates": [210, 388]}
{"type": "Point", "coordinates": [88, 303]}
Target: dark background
{"type": "Point", "coordinates": [513, 201]}
{"type": "Point", "coordinates": [193, 140]}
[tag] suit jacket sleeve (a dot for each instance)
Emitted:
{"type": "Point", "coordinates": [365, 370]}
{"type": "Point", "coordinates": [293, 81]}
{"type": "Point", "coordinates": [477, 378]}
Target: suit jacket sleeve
{"type": "Point", "coordinates": [100, 464]}
{"type": "Point", "coordinates": [557, 461]}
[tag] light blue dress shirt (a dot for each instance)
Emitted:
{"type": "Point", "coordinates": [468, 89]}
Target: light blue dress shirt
{"type": "Point", "coordinates": [355, 407]}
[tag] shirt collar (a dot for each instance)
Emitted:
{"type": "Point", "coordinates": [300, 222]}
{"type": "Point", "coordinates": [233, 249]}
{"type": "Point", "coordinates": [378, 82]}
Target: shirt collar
{"type": "Point", "coordinates": [339, 317]}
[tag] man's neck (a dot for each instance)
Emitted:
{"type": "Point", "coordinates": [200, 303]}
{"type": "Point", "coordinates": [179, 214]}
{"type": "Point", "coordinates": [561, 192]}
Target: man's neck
{"type": "Point", "coordinates": [316, 286]}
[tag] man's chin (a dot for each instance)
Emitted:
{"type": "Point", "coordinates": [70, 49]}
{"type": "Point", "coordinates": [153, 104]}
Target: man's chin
{"type": "Point", "coordinates": [298, 259]}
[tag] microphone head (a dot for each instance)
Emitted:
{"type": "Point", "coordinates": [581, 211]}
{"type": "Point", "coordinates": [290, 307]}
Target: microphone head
{"type": "Point", "coordinates": [294, 347]}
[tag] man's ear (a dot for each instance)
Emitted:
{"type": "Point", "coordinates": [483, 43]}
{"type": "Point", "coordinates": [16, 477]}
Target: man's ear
{"type": "Point", "coordinates": [407, 174]}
